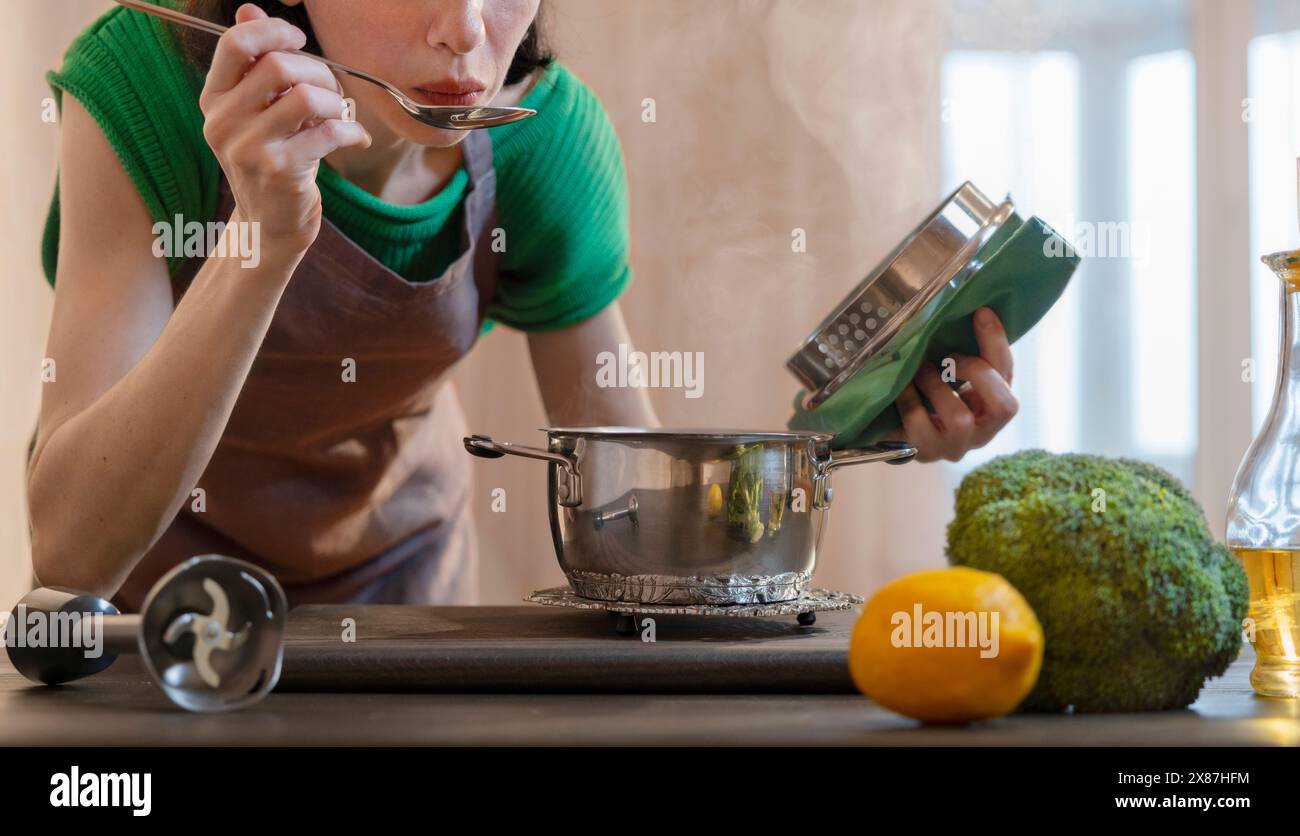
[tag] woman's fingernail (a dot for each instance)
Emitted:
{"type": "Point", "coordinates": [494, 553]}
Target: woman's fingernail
{"type": "Point", "coordinates": [992, 323]}
{"type": "Point", "coordinates": [984, 318]}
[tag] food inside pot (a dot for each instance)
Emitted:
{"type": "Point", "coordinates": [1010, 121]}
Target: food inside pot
{"type": "Point", "coordinates": [745, 494]}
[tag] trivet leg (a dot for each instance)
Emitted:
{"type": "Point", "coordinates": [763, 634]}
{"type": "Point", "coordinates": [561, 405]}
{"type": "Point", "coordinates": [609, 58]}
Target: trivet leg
{"type": "Point", "coordinates": [807, 619]}
{"type": "Point", "coordinates": [624, 623]}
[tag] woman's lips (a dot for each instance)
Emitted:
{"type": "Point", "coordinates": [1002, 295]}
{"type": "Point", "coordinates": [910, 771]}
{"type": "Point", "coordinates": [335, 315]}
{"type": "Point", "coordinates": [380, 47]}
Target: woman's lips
{"type": "Point", "coordinates": [451, 94]}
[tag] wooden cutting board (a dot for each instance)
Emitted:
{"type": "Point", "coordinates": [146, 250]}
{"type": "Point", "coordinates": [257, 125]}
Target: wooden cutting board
{"type": "Point", "coordinates": [548, 649]}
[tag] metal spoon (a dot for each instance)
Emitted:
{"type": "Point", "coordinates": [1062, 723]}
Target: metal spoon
{"type": "Point", "coordinates": [438, 116]}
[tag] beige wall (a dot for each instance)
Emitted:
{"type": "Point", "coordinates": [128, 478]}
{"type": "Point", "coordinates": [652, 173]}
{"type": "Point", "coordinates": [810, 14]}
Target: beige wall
{"type": "Point", "coordinates": [816, 114]}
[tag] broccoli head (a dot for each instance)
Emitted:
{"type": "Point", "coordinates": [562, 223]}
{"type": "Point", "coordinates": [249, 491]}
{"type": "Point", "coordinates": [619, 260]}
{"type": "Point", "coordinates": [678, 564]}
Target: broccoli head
{"type": "Point", "coordinates": [1139, 604]}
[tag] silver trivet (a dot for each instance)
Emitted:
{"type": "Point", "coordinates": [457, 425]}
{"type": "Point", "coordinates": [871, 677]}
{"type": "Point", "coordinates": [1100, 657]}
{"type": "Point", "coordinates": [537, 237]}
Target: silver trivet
{"type": "Point", "coordinates": [701, 590]}
{"type": "Point", "coordinates": [812, 600]}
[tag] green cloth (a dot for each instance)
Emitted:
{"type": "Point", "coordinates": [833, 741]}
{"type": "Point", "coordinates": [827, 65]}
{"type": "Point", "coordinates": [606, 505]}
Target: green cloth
{"type": "Point", "coordinates": [561, 185]}
{"type": "Point", "coordinates": [1026, 269]}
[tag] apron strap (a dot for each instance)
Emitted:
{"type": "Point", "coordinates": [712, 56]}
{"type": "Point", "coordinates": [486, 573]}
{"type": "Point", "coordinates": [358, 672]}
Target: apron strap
{"type": "Point", "coordinates": [478, 155]}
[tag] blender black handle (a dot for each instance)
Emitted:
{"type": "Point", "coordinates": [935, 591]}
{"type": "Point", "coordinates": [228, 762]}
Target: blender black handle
{"type": "Point", "coordinates": [56, 662]}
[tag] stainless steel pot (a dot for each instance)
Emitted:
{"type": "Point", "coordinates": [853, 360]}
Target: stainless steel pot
{"type": "Point", "coordinates": [688, 516]}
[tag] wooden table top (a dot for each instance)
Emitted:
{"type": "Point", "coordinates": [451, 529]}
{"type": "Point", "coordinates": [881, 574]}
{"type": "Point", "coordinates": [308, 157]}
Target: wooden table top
{"type": "Point", "coordinates": [122, 706]}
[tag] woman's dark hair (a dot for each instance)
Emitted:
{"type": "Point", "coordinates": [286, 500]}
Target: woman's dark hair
{"type": "Point", "coordinates": [198, 46]}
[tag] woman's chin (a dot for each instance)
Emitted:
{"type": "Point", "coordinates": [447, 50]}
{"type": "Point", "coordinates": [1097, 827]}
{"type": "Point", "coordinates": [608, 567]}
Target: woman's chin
{"type": "Point", "coordinates": [433, 137]}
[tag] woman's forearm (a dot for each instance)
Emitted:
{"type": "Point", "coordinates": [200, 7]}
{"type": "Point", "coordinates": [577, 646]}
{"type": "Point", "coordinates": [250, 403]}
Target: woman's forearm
{"type": "Point", "coordinates": [564, 363]}
{"type": "Point", "coordinates": [589, 405]}
{"type": "Point", "coordinates": [104, 485]}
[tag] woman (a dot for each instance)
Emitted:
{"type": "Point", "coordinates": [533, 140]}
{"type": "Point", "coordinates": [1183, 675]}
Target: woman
{"type": "Point", "coordinates": [301, 390]}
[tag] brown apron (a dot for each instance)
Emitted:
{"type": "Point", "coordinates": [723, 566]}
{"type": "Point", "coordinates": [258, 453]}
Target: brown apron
{"type": "Point", "coordinates": [350, 491]}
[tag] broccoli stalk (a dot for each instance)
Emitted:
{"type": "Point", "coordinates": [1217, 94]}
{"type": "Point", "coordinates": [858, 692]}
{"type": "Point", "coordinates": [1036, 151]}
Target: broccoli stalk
{"type": "Point", "coordinates": [1139, 604]}
{"type": "Point", "coordinates": [745, 494]}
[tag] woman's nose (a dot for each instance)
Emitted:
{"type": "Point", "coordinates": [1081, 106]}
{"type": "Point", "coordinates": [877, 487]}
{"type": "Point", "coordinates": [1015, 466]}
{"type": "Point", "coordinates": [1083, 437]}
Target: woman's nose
{"type": "Point", "coordinates": [458, 26]}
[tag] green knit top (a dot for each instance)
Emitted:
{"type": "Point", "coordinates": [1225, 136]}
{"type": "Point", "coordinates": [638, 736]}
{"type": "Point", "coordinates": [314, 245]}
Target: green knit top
{"type": "Point", "coordinates": [561, 187]}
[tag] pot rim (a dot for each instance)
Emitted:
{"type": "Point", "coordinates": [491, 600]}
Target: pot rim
{"type": "Point", "coordinates": [688, 434]}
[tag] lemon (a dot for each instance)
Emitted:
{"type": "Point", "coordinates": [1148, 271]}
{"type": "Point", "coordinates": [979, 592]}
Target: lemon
{"type": "Point", "coordinates": [947, 646]}
{"type": "Point", "coordinates": [715, 499]}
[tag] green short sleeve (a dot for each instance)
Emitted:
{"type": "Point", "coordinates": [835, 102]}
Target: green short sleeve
{"type": "Point", "coordinates": [126, 70]}
{"type": "Point", "coordinates": [563, 207]}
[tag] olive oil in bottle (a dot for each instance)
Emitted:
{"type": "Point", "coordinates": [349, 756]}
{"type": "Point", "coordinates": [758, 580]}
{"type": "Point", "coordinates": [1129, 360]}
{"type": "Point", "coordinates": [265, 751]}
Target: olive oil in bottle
{"type": "Point", "coordinates": [1274, 619]}
{"type": "Point", "coordinates": [1264, 509]}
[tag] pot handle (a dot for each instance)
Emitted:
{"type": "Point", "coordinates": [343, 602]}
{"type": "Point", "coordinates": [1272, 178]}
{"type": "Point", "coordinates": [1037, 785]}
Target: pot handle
{"type": "Point", "coordinates": [890, 452]}
{"type": "Point", "coordinates": [568, 490]}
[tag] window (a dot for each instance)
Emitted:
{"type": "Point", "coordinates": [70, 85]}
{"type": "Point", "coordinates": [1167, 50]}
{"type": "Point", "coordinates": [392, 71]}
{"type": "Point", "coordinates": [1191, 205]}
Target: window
{"type": "Point", "coordinates": [1089, 121]}
{"type": "Point", "coordinates": [1162, 216]}
{"type": "Point", "coordinates": [1010, 127]}
{"type": "Point", "coordinates": [1272, 112]}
